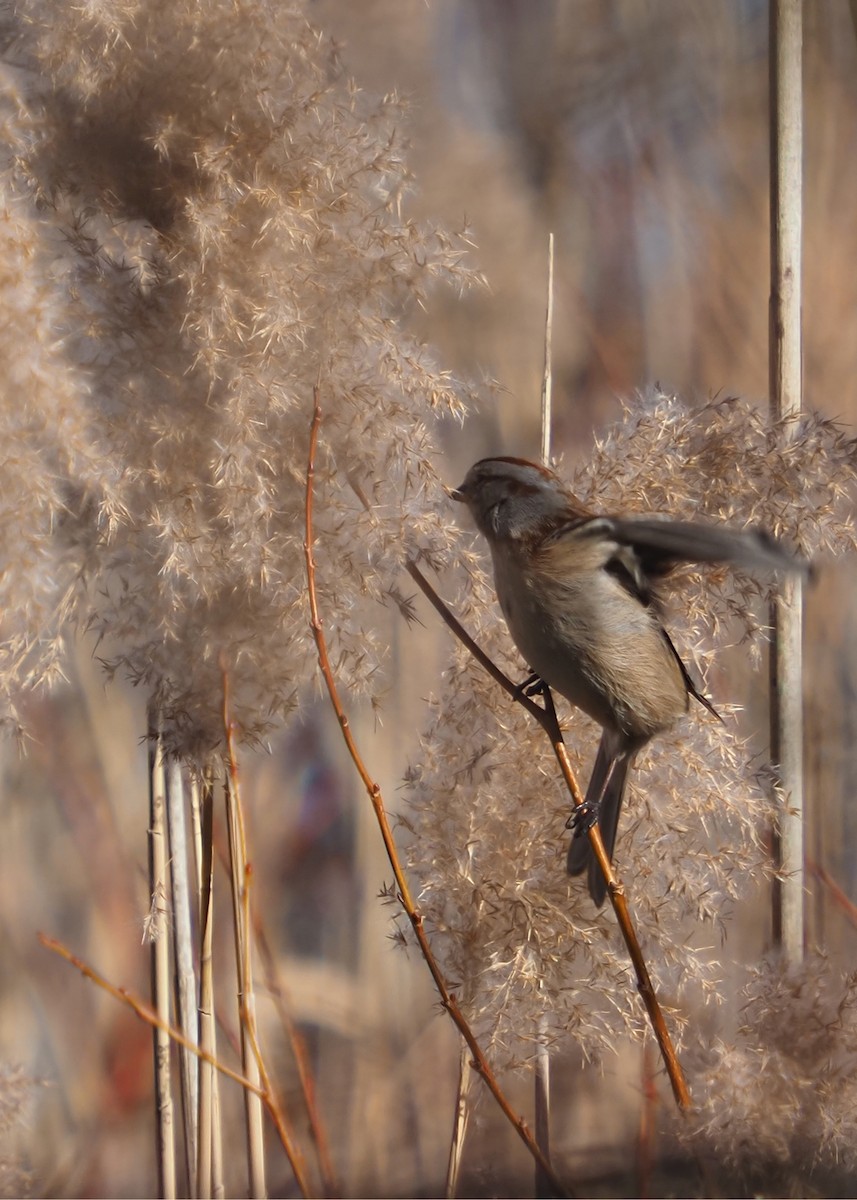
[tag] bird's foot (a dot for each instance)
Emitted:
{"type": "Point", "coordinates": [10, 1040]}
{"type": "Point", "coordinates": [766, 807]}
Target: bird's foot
{"type": "Point", "coordinates": [533, 685]}
{"type": "Point", "coordinates": [583, 817]}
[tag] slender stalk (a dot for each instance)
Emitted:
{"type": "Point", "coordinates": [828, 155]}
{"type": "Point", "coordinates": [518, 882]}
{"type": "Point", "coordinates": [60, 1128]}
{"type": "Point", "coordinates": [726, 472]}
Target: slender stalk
{"type": "Point", "coordinates": [251, 1054]}
{"type": "Point", "coordinates": [839, 897]}
{"type": "Point", "coordinates": [239, 874]}
{"type": "Point", "coordinates": [462, 1118]}
{"type": "Point", "coordinates": [448, 999]}
{"type": "Point", "coordinates": [547, 378]}
{"type": "Point", "coordinates": [786, 399]}
{"type": "Point", "coordinates": [542, 1084]}
{"type": "Point", "coordinates": [541, 1074]}
{"type": "Point", "coordinates": [210, 1152]}
{"type": "Point", "coordinates": [646, 1132]}
{"type": "Point", "coordinates": [148, 1014]}
{"type": "Point", "coordinates": [184, 963]}
{"type": "Point", "coordinates": [277, 992]}
{"type": "Point", "coordinates": [159, 933]}
{"type": "Point", "coordinates": [547, 718]}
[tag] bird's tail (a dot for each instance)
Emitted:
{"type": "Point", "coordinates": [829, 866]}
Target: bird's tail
{"type": "Point", "coordinates": [606, 791]}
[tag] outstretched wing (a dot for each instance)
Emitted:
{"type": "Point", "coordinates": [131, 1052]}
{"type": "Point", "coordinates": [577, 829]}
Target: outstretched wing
{"type": "Point", "coordinates": [660, 544]}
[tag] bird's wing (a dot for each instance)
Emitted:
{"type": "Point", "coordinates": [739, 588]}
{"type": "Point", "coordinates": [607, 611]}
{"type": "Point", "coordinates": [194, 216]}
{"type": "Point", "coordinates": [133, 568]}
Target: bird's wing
{"type": "Point", "coordinates": [660, 544]}
{"type": "Point", "coordinates": [688, 678]}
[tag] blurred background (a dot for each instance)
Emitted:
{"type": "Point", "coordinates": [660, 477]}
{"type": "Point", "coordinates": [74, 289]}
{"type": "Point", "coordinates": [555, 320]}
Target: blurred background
{"type": "Point", "coordinates": [637, 132]}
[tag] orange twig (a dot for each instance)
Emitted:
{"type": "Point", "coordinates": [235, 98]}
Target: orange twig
{"type": "Point", "coordinates": [448, 999]}
{"type": "Point", "coordinates": [547, 718]}
{"type": "Point", "coordinates": [299, 1049]}
{"type": "Point", "coordinates": [837, 895]}
{"type": "Point", "coordinates": [146, 1013]}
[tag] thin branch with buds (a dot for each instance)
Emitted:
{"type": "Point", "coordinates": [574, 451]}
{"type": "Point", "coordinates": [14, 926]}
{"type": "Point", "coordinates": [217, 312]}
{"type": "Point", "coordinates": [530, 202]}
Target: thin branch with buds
{"type": "Point", "coordinates": [448, 999]}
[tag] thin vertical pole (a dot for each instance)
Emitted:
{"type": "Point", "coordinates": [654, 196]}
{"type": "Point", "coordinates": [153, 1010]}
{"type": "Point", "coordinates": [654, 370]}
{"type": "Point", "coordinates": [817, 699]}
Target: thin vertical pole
{"type": "Point", "coordinates": [542, 1073]}
{"type": "Point", "coordinates": [785, 53]}
{"type": "Point", "coordinates": [547, 377]}
{"type": "Point", "coordinates": [160, 959]}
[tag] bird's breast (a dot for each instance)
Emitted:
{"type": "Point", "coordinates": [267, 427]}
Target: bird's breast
{"type": "Point", "coordinates": [597, 645]}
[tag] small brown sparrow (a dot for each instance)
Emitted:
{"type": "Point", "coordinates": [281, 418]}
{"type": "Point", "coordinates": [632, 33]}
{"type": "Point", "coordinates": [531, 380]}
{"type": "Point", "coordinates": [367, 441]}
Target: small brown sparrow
{"type": "Point", "coordinates": [579, 594]}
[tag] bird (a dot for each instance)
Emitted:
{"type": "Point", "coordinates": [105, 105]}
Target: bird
{"type": "Point", "coordinates": [581, 595]}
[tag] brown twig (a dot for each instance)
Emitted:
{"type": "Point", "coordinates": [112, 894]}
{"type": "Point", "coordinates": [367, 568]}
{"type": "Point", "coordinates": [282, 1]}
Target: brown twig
{"type": "Point", "coordinates": [839, 897]}
{"type": "Point", "coordinates": [547, 718]}
{"type": "Point", "coordinates": [146, 1013]}
{"type": "Point", "coordinates": [277, 992]}
{"type": "Point", "coordinates": [448, 999]}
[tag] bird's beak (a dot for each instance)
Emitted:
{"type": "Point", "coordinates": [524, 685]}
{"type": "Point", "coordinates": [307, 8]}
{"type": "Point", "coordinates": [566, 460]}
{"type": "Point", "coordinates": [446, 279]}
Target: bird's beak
{"type": "Point", "coordinates": [455, 494]}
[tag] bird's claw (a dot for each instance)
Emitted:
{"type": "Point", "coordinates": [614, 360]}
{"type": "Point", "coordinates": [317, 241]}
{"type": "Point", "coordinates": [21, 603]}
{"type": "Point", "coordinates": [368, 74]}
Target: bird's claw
{"type": "Point", "coordinates": [583, 817]}
{"type": "Point", "coordinates": [533, 685]}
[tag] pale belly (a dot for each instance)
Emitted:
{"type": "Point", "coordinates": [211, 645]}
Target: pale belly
{"type": "Point", "coordinates": [604, 652]}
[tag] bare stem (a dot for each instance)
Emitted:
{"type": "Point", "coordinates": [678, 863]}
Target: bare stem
{"type": "Point", "coordinates": [542, 1085]}
{"type": "Point", "coordinates": [448, 999]}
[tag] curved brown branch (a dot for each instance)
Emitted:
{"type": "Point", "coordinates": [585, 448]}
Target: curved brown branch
{"type": "Point", "coordinates": [448, 999]}
{"type": "Point", "coordinates": [547, 718]}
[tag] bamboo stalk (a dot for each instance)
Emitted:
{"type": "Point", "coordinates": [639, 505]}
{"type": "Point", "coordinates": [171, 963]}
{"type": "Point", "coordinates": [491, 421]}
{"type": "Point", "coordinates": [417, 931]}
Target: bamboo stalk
{"type": "Point", "coordinates": [786, 715]}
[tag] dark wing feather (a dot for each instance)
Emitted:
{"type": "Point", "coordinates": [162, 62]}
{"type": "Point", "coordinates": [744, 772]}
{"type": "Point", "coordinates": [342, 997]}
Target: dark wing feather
{"type": "Point", "coordinates": [688, 681]}
{"type": "Point", "coordinates": [660, 544]}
